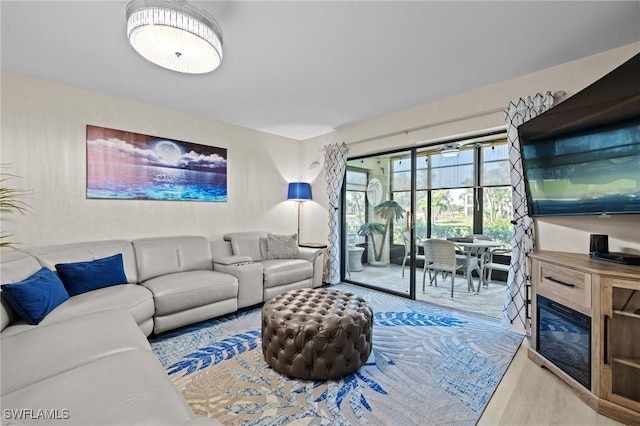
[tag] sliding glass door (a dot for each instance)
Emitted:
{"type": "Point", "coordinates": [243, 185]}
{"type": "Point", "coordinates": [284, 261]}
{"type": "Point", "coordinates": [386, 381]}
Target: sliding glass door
{"type": "Point", "coordinates": [393, 202]}
{"type": "Point", "coordinates": [377, 209]}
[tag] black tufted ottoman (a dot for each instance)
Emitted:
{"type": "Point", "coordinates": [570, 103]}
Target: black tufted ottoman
{"type": "Point", "coordinates": [316, 334]}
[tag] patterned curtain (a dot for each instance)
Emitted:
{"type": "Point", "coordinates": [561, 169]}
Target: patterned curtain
{"type": "Point", "coordinates": [523, 242]}
{"type": "Point", "coordinates": [335, 165]}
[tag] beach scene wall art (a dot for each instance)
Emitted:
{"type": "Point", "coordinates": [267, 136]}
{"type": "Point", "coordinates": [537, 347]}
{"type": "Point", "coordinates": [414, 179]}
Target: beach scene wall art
{"type": "Point", "coordinates": [127, 165]}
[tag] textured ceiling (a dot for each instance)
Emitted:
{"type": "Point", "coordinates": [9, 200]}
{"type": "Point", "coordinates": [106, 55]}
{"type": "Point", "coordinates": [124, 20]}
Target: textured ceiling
{"type": "Point", "coordinates": [301, 69]}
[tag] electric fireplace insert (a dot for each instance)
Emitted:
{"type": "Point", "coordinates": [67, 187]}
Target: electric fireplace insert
{"type": "Point", "coordinates": [564, 338]}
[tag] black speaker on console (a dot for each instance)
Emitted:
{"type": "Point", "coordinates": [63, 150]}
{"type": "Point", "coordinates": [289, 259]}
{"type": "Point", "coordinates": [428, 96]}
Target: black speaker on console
{"type": "Point", "coordinates": [599, 243]}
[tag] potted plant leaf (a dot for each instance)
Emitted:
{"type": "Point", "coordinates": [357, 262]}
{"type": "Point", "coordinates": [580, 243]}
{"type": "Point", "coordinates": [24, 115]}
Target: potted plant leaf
{"type": "Point", "coordinates": [390, 211]}
{"type": "Point", "coordinates": [10, 203]}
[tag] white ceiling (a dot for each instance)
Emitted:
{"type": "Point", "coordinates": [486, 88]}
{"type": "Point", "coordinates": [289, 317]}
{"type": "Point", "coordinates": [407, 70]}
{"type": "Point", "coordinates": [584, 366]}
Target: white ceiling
{"type": "Point", "coordinates": [301, 69]}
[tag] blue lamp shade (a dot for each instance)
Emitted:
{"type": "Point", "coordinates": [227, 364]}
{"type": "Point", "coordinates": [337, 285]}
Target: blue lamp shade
{"type": "Point", "coordinates": [299, 191]}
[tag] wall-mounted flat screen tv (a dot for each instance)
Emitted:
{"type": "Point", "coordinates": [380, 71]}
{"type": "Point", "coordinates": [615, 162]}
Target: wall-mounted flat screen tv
{"type": "Point", "coordinates": [592, 172]}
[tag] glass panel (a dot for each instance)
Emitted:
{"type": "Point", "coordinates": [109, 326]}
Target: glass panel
{"type": "Point", "coordinates": [401, 223]}
{"type": "Point", "coordinates": [422, 172]}
{"type": "Point", "coordinates": [495, 164]}
{"type": "Point", "coordinates": [495, 178]}
{"type": "Point", "coordinates": [454, 197]}
{"type": "Point", "coordinates": [496, 221]}
{"type": "Point", "coordinates": [355, 210]}
{"type": "Point", "coordinates": [422, 214]}
{"type": "Point", "coordinates": [402, 181]}
{"type": "Point", "coordinates": [452, 172]}
{"type": "Point", "coordinates": [356, 180]}
{"type": "Point", "coordinates": [451, 213]}
{"type": "Point", "coordinates": [376, 216]}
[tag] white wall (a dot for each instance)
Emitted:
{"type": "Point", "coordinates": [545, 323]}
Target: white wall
{"type": "Point", "coordinates": [44, 139]}
{"type": "Point", "coordinates": [479, 110]}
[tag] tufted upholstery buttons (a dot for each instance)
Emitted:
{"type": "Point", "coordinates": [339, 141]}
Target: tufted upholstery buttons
{"type": "Point", "coordinates": [316, 334]}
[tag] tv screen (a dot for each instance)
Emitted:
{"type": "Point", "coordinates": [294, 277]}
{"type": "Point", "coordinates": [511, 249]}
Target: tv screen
{"type": "Point", "coordinates": [593, 172]}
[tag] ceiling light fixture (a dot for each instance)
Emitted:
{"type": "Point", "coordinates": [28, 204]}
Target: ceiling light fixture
{"type": "Point", "coordinates": [450, 151]}
{"type": "Point", "coordinates": [175, 35]}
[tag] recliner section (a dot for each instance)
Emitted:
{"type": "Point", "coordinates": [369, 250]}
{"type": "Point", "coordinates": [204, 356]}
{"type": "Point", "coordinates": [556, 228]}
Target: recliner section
{"type": "Point", "coordinates": [179, 272]}
{"type": "Point", "coordinates": [278, 275]}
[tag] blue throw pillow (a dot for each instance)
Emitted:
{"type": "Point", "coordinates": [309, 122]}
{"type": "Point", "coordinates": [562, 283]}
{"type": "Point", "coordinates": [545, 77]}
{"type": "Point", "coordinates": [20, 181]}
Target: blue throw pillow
{"type": "Point", "coordinates": [81, 277]}
{"type": "Point", "coordinates": [34, 297]}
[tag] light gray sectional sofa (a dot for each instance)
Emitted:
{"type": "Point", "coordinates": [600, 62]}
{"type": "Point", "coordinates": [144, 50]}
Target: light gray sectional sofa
{"type": "Point", "coordinates": [302, 269]}
{"type": "Point", "coordinates": [89, 362]}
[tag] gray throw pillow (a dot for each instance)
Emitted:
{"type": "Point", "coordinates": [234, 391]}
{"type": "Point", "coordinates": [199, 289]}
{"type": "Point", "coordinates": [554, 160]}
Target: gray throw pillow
{"type": "Point", "coordinates": [282, 246]}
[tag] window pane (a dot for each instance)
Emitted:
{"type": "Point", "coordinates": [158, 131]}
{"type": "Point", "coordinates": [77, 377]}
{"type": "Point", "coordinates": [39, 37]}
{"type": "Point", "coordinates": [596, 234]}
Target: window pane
{"type": "Point", "coordinates": [496, 151]}
{"type": "Point", "coordinates": [356, 183]}
{"type": "Point", "coordinates": [452, 177]}
{"type": "Point", "coordinates": [421, 162]}
{"type": "Point", "coordinates": [451, 213]}
{"type": "Point", "coordinates": [355, 210]}
{"type": "Point", "coordinates": [496, 173]}
{"type": "Point", "coordinates": [404, 200]}
{"type": "Point", "coordinates": [452, 172]}
{"type": "Point", "coordinates": [401, 174]}
{"type": "Point", "coordinates": [422, 179]}
{"type": "Point", "coordinates": [497, 214]}
{"type": "Point", "coordinates": [356, 180]}
{"type": "Point", "coordinates": [402, 181]}
{"type": "Point", "coordinates": [464, 157]}
{"type": "Point", "coordinates": [402, 164]}
{"type": "Point", "coordinates": [495, 164]}
{"type": "Point", "coordinates": [422, 214]}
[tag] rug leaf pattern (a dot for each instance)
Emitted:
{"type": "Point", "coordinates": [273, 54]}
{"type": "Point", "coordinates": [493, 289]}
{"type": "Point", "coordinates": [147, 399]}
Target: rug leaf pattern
{"type": "Point", "coordinates": [414, 319]}
{"type": "Point", "coordinates": [215, 353]}
{"type": "Point", "coordinates": [429, 365]}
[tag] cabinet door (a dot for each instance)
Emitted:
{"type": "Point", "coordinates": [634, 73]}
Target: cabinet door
{"type": "Point", "coordinates": [620, 365]}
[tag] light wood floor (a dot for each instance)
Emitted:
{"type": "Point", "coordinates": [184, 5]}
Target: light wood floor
{"type": "Point", "coordinates": [531, 395]}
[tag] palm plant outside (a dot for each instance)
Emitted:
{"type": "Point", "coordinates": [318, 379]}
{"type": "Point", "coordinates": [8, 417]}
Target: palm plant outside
{"type": "Point", "coordinates": [388, 210]}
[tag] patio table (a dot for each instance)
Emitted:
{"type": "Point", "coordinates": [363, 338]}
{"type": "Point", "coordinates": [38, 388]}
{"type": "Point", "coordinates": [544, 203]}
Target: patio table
{"type": "Point", "coordinates": [474, 251]}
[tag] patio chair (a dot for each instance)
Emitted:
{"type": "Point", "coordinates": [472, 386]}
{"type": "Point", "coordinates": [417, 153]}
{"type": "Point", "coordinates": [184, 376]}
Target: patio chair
{"type": "Point", "coordinates": [406, 236]}
{"type": "Point", "coordinates": [489, 265]}
{"type": "Point", "coordinates": [439, 255]}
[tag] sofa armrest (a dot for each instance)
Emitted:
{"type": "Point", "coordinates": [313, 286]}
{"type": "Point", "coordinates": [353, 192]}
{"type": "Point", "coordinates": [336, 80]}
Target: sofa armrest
{"type": "Point", "coordinates": [250, 279]}
{"type": "Point", "coordinates": [230, 260]}
{"type": "Point", "coordinates": [309, 254]}
{"type": "Point", "coordinates": [316, 257]}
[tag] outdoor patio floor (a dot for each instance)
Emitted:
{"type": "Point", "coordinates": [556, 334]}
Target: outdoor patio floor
{"type": "Point", "coordinates": [487, 302]}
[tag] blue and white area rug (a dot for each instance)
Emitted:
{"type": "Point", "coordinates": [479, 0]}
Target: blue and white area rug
{"type": "Point", "coordinates": [429, 365]}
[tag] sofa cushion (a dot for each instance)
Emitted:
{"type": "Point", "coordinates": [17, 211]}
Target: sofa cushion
{"type": "Point", "coordinates": [15, 266]}
{"type": "Point", "coordinates": [279, 272]}
{"type": "Point", "coordinates": [49, 256]}
{"type": "Point", "coordinates": [253, 246]}
{"type": "Point", "coordinates": [125, 388]}
{"type": "Point", "coordinates": [282, 246]}
{"type": "Point", "coordinates": [186, 290]}
{"type": "Point", "coordinates": [136, 299]}
{"type": "Point", "coordinates": [220, 248]}
{"type": "Point", "coordinates": [168, 255]}
{"type": "Point", "coordinates": [80, 277]}
{"type": "Point", "coordinates": [36, 296]}
{"type": "Point", "coordinates": [46, 351]}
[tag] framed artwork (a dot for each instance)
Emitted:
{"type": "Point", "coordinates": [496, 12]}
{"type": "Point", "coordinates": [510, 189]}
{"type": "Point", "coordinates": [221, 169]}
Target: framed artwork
{"type": "Point", "coordinates": [127, 165]}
